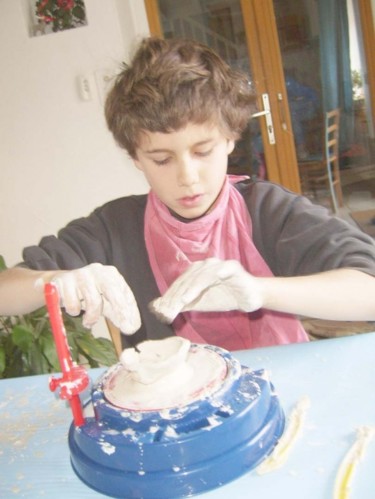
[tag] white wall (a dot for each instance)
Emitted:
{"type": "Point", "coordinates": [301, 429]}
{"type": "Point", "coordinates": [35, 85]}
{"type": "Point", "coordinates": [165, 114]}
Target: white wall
{"type": "Point", "coordinates": [57, 159]}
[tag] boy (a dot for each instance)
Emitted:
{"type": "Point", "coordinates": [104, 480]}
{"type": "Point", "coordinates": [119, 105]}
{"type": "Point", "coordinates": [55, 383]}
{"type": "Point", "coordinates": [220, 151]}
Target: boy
{"type": "Point", "coordinates": [231, 258]}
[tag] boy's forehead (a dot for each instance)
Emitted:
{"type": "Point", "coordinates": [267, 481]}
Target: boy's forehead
{"type": "Point", "coordinates": [190, 134]}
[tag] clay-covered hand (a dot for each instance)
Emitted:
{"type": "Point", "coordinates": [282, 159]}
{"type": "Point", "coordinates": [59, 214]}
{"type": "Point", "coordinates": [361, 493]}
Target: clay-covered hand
{"type": "Point", "coordinates": [210, 285]}
{"type": "Point", "coordinates": [98, 290]}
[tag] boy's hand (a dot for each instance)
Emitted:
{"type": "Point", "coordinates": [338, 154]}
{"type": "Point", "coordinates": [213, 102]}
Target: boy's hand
{"type": "Point", "coordinates": [99, 290]}
{"type": "Point", "coordinates": [210, 285]}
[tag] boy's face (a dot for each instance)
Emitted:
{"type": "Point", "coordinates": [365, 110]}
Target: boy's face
{"type": "Point", "coordinates": [186, 169]}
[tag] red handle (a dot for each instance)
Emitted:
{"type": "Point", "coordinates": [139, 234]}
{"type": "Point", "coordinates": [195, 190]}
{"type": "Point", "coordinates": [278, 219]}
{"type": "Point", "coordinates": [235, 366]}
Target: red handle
{"type": "Point", "coordinates": [75, 378]}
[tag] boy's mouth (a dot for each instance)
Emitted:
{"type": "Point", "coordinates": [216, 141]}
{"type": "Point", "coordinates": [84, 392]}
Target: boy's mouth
{"type": "Point", "coordinates": [191, 200]}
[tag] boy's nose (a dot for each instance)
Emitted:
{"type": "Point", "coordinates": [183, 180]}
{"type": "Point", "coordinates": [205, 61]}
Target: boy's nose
{"type": "Point", "coordinates": [187, 173]}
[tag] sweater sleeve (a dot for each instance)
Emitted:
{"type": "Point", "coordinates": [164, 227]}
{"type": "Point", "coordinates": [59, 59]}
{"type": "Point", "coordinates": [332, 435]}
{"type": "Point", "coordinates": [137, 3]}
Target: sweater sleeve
{"type": "Point", "coordinates": [297, 237]}
{"type": "Point", "coordinates": [81, 242]}
{"type": "Point", "coordinates": [112, 235]}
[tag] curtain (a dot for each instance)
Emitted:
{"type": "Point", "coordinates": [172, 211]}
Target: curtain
{"type": "Point", "coordinates": [335, 63]}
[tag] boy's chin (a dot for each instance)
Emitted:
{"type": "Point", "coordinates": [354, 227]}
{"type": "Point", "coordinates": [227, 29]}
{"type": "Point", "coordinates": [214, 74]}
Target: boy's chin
{"type": "Point", "coordinates": [189, 215]}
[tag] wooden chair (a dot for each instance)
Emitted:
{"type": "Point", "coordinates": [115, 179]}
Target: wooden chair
{"type": "Point", "coordinates": [324, 171]}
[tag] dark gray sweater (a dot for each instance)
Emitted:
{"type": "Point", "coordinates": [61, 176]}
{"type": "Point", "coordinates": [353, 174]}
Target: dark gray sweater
{"type": "Point", "coordinates": [294, 237]}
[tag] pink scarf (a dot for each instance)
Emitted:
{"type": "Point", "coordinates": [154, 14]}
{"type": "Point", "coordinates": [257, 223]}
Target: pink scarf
{"type": "Point", "coordinates": [225, 233]}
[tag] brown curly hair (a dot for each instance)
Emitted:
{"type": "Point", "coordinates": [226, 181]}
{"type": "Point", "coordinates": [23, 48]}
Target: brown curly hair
{"type": "Point", "coordinates": [171, 83]}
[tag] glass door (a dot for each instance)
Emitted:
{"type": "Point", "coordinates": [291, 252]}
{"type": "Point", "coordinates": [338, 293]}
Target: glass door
{"type": "Point", "coordinates": [304, 57]}
{"type": "Point", "coordinates": [220, 26]}
{"type": "Point", "coordinates": [233, 28]}
{"type": "Point", "coordinates": [325, 68]}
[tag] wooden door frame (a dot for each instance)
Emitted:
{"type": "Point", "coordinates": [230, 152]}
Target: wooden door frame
{"type": "Point", "coordinates": [367, 15]}
{"type": "Point", "coordinates": [153, 17]}
{"type": "Point", "coordinates": [266, 65]}
{"type": "Point", "coordinates": [267, 70]}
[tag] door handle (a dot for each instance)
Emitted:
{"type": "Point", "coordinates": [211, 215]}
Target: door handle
{"type": "Point", "coordinates": [267, 114]}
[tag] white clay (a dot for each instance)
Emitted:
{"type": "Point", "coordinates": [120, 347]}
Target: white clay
{"type": "Point", "coordinates": [351, 461]}
{"type": "Point", "coordinates": [155, 359]}
{"type": "Point", "coordinates": [283, 448]}
{"type": "Point", "coordinates": [164, 374]}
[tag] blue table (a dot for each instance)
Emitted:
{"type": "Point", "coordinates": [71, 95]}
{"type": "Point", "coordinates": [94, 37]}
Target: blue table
{"type": "Point", "coordinates": [338, 376]}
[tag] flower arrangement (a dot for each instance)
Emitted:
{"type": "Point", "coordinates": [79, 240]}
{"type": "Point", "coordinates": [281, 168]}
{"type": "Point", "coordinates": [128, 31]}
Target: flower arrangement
{"type": "Point", "coordinates": [61, 14]}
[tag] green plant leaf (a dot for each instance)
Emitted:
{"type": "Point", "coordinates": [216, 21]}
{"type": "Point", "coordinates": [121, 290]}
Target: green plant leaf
{"type": "Point", "coordinates": [22, 337]}
{"type": "Point", "coordinates": [79, 13]}
{"type": "Point", "coordinates": [48, 347]}
{"type": "Point", "coordinates": [99, 351]}
{"type": "Point", "coordinates": [2, 359]}
{"type": "Point", "coordinates": [35, 362]}
{"type": "Point", "coordinates": [27, 345]}
{"type": "Point", "coordinates": [108, 352]}
{"type": "Point", "coordinates": [41, 326]}
{"type": "Point", "coordinates": [2, 263]}
{"type": "Point", "coordinates": [74, 350]}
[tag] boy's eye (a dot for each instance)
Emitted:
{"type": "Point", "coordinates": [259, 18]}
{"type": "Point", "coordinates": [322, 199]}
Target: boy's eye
{"type": "Point", "coordinates": [161, 162]}
{"type": "Point", "coordinates": [203, 153]}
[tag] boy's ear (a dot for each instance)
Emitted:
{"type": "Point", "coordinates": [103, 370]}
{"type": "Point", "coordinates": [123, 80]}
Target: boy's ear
{"type": "Point", "coordinates": [230, 145]}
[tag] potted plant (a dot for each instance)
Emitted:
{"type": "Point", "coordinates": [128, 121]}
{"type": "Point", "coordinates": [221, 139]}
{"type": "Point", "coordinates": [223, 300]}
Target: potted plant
{"type": "Point", "coordinates": [27, 346]}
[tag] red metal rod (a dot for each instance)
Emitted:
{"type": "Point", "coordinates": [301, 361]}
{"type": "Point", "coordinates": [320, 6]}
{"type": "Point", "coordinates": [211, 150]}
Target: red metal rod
{"type": "Point", "coordinates": [57, 325]}
{"type": "Point", "coordinates": [75, 378]}
{"type": "Point", "coordinates": [75, 405]}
